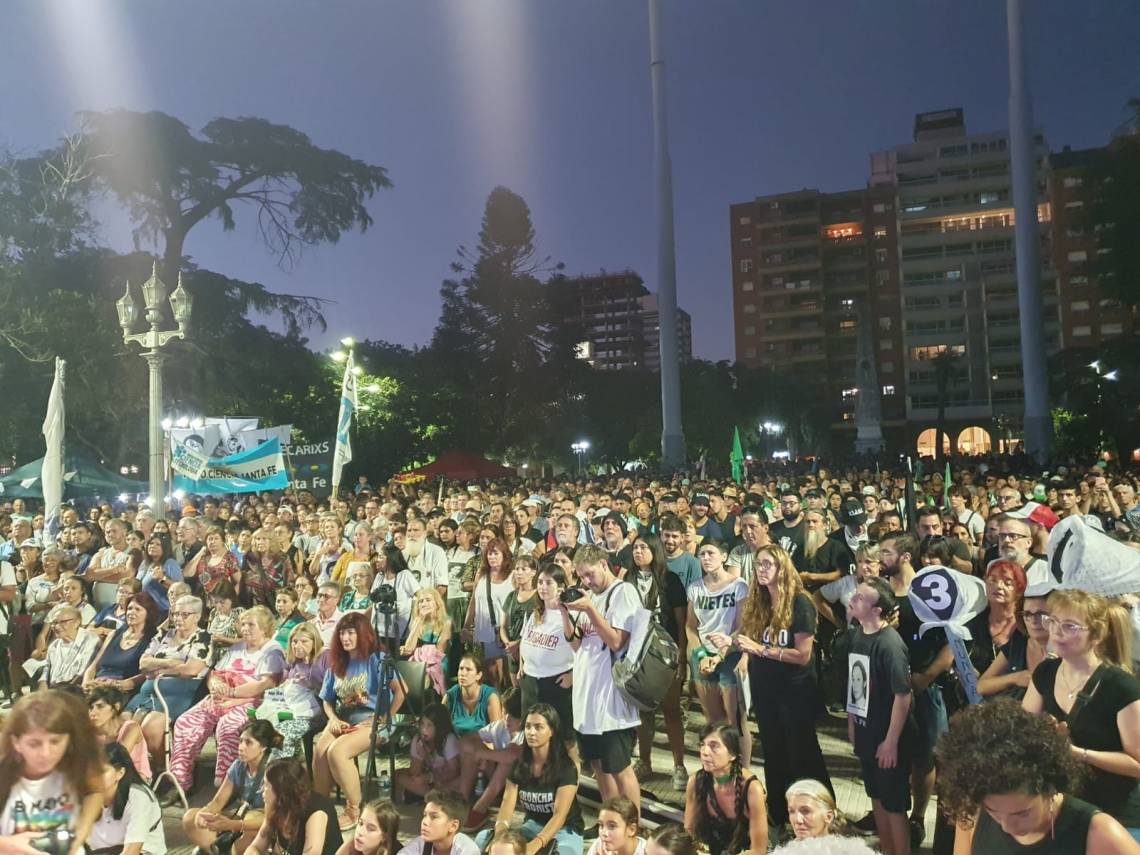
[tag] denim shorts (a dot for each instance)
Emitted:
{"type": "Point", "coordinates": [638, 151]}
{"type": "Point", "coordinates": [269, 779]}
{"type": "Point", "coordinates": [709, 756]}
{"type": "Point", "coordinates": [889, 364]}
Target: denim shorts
{"type": "Point", "coordinates": [724, 675]}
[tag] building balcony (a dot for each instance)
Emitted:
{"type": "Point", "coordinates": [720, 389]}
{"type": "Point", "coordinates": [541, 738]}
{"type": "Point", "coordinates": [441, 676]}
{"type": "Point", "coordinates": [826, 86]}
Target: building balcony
{"type": "Point", "coordinates": [975, 409]}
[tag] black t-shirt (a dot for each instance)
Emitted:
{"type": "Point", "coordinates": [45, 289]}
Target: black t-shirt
{"type": "Point", "coordinates": [536, 800]}
{"type": "Point", "coordinates": [317, 804]}
{"type": "Point", "coordinates": [727, 529]}
{"type": "Point", "coordinates": [792, 541]}
{"type": "Point", "coordinates": [1108, 691]}
{"type": "Point", "coordinates": [834, 555]}
{"type": "Point", "coordinates": [766, 672]}
{"type": "Point", "coordinates": [661, 602]}
{"type": "Point", "coordinates": [925, 649]}
{"type": "Point", "coordinates": [1068, 833]}
{"type": "Point", "coordinates": [515, 613]}
{"type": "Point", "coordinates": [622, 558]}
{"type": "Point", "coordinates": [883, 660]}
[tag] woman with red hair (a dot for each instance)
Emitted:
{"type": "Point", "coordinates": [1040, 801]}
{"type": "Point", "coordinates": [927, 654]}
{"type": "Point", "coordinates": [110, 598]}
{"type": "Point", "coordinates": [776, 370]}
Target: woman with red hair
{"type": "Point", "coordinates": [1005, 650]}
{"type": "Point", "coordinates": [351, 696]}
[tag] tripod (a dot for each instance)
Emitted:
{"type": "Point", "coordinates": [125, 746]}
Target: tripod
{"type": "Point", "coordinates": [384, 612]}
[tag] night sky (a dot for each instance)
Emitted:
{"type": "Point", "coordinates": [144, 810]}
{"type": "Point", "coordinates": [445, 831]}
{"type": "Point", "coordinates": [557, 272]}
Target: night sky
{"type": "Point", "coordinates": [551, 98]}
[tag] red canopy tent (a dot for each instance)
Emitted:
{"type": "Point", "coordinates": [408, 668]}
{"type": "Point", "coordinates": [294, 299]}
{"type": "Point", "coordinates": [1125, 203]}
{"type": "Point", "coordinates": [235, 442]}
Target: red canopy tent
{"type": "Point", "coordinates": [457, 466]}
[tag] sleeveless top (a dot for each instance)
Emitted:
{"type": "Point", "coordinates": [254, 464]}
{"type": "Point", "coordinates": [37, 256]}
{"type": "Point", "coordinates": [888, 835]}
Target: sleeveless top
{"type": "Point", "coordinates": [140, 754]}
{"type": "Point", "coordinates": [465, 722]}
{"type": "Point", "coordinates": [1070, 833]}
{"type": "Point", "coordinates": [119, 663]}
{"type": "Point", "coordinates": [722, 834]}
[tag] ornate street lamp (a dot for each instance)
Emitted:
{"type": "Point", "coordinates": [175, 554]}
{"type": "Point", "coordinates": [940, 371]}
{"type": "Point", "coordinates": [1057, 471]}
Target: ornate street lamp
{"type": "Point", "coordinates": [152, 341]}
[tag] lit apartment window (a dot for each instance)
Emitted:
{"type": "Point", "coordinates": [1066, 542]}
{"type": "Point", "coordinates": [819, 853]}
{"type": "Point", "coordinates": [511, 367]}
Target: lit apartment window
{"type": "Point", "coordinates": [1082, 332]}
{"type": "Point", "coordinates": [745, 221]}
{"type": "Point", "coordinates": [880, 232]}
{"type": "Point", "coordinates": [847, 303]}
{"type": "Point", "coordinates": [885, 344]}
{"type": "Point", "coordinates": [747, 286]}
{"type": "Point", "coordinates": [749, 308]}
{"type": "Point", "coordinates": [1079, 305]}
{"type": "Point", "coordinates": [1078, 255]}
{"type": "Point", "coordinates": [746, 265]}
{"type": "Point", "coordinates": [884, 323]}
{"type": "Point", "coordinates": [850, 393]}
{"type": "Point", "coordinates": [1074, 205]}
{"type": "Point", "coordinates": [882, 276]}
{"type": "Point", "coordinates": [879, 208]}
{"type": "Point", "coordinates": [847, 325]}
{"type": "Point", "coordinates": [746, 241]}
{"type": "Point", "coordinates": [888, 390]}
{"type": "Point", "coordinates": [1111, 329]}
{"type": "Point", "coordinates": [1073, 181]}
{"type": "Point", "coordinates": [750, 330]}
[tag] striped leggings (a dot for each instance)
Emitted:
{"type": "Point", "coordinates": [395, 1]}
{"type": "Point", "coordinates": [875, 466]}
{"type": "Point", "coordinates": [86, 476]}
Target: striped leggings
{"type": "Point", "coordinates": [193, 728]}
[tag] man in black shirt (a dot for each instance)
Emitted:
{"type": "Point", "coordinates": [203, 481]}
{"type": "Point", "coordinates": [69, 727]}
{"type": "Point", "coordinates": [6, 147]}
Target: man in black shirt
{"type": "Point", "coordinates": [928, 523]}
{"type": "Point", "coordinates": [790, 531]}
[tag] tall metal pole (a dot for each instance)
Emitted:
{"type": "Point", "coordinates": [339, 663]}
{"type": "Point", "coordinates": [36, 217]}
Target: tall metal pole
{"type": "Point", "coordinates": [1023, 165]}
{"type": "Point", "coordinates": [672, 438]}
{"type": "Point", "coordinates": [157, 468]}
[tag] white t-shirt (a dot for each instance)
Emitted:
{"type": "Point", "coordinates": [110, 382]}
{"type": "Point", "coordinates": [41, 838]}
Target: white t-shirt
{"type": "Point", "coordinates": [498, 735]}
{"type": "Point", "coordinates": [39, 805]}
{"type": "Point", "coordinates": [716, 612]}
{"type": "Point", "coordinates": [598, 705]}
{"type": "Point", "coordinates": [484, 631]}
{"type": "Point", "coordinates": [596, 848]}
{"type": "Point", "coordinates": [430, 566]}
{"type": "Point", "coordinates": [141, 823]}
{"type": "Point", "coordinates": [841, 590]}
{"type": "Point", "coordinates": [7, 580]}
{"type": "Point", "coordinates": [438, 761]}
{"type": "Point", "coordinates": [973, 521]}
{"type": "Point", "coordinates": [544, 648]}
{"type": "Point", "coordinates": [456, 562]}
{"type": "Point", "coordinates": [463, 845]}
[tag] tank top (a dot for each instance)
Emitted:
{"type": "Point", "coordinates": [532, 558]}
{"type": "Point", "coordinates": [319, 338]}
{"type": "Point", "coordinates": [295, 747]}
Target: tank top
{"type": "Point", "coordinates": [1070, 833]}
{"type": "Point", "coordinates": [140, 754]}
{"type": "Point", "coordinates": [465, 722]}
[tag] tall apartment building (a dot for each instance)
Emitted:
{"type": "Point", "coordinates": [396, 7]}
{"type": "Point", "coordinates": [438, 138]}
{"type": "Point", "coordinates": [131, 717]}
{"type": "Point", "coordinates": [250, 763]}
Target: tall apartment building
{"type": "Point", "coordinates": [1088, 317]}
{"type": "Point", "coordinates": [651, 331]}
{"type": "Point", "coordinates": [959, 284]}
{"type": "Point", "coordinates": [617, 316]}
{"type": "Point", "coordinates": [802, 263]}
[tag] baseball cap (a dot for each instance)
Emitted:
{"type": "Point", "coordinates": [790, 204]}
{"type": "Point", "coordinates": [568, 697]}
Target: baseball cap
{"type": "Point", "coordinates": [852, 513]}
{"type": "Point", "coordinates": [700, 499]}
{"type": "Point", "coordinates": [32, 543]}
{"type": "Point", "coordinates": [1037, 513]}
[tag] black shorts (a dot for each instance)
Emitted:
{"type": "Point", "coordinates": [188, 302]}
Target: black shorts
{"type": "Point", "coordinates": [890, 787]}
{"type": "Point", "coordinates": [612, 749]}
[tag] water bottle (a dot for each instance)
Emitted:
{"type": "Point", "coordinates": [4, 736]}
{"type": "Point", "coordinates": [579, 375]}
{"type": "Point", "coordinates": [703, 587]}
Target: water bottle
{"type": "Point", "coordinates": [384, 786]}
{"type": "Point", "coordinates": [480, 784]}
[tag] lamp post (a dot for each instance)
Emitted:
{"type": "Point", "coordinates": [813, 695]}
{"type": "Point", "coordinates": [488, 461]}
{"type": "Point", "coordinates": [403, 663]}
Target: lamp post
{"type": "Point", "coordinates": [152, 341]}
{"type": "Point", "coordinates": [580, 448]}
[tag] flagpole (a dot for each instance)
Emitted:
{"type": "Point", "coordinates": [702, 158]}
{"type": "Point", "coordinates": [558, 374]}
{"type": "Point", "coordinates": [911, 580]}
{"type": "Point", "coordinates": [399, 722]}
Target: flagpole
{"type": "Point", "coordinates": [51, 471]}
{"type": "Point", "coordinates": [342, 452]}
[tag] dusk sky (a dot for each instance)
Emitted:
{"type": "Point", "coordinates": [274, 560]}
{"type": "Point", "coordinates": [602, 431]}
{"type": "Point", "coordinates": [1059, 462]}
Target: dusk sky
{"type": "Point", "coordinates": [551, 98]}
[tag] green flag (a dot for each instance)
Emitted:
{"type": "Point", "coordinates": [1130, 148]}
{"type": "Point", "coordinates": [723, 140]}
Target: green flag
{"type": "Point", "coordinates": [946, 487]}
{"type": "Point", "coordinates": [737, 457]}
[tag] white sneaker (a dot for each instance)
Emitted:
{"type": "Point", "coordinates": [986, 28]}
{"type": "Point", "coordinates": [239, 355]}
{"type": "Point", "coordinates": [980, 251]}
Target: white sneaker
{"type": "Point", "coordinates": [680, 778]}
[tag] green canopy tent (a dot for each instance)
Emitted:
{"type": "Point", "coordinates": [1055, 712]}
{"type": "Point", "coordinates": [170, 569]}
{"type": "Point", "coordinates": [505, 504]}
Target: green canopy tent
{"type": "Point", "coordinates": [83, 477]}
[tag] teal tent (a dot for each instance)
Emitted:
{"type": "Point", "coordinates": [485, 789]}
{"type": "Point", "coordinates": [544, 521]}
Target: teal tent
{"type": "Point", "coordinates": [83, 477]}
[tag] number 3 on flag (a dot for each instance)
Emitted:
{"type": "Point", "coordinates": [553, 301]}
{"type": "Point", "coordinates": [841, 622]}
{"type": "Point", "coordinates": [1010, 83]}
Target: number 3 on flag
{"type": "Point", "coordinates": [938, 591]}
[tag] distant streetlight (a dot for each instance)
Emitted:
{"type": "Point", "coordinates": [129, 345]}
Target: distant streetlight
{"type": "Point", "coordinates": [153, 341]}
{"type": "Point", "coordinates": [580, 448]}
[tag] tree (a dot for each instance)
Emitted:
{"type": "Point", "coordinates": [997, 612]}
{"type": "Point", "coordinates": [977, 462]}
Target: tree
{"type": "Point", "coordinates": [499, 340]}
{"type": "Point", "coordinates": [170, 180]}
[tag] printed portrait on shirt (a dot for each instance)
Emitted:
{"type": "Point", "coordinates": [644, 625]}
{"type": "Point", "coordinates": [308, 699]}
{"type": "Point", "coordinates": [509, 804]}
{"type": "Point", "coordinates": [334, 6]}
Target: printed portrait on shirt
{"type": "Point", "coordinates": [858, 683]}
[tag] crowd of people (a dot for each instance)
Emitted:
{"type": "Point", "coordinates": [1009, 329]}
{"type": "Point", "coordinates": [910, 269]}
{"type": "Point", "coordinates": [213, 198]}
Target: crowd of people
{"type": "Point", "coordinates": [267, 624]}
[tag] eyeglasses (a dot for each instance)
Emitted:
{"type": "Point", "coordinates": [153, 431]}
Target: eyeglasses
{"type": "Point", "coordinates": [1034, 617]}
{"type": "Point", "coordinates": [183, 614]}
{"type": "Point", "coordinates": [1066, 628]}
{"type": "Point", "coordinates": [326, 596]}
{"type": "Point", "coordinates": [1012, 535]}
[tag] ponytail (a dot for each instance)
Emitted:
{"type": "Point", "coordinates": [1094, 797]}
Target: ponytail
{"type": "Point", "coordinates": [1109, 623]}
{"type": "Point", "coordinates": [1116, 646]}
